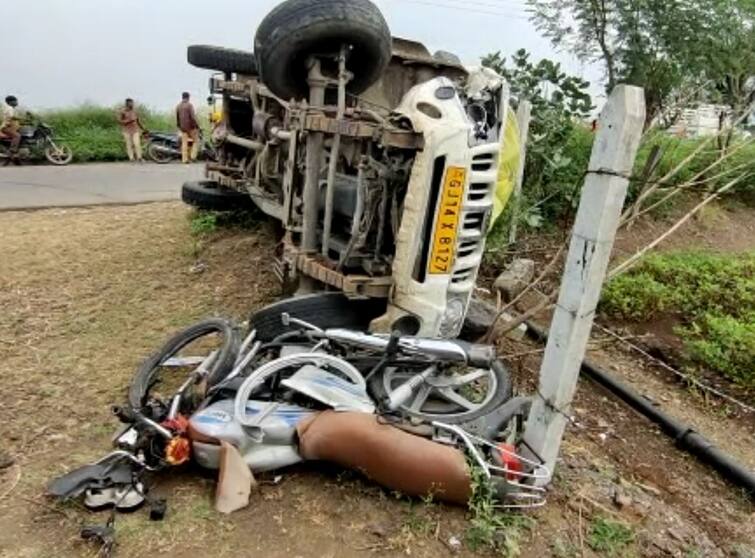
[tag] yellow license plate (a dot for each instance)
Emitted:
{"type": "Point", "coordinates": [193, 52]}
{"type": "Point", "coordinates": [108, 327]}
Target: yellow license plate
{"type": "Point", "coordinates": [447, 222]}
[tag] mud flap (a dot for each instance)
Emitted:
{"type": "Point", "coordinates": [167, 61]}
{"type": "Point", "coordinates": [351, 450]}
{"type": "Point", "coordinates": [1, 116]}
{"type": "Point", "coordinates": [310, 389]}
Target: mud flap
{"type": "Point", "coordinates": [235, 481]}
{"type": "Point", "coordinates": [389, 456]}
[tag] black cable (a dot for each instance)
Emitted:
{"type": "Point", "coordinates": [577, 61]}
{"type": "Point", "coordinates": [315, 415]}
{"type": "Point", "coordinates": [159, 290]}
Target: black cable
{"type": "Point", "coordinates": [686, 437]}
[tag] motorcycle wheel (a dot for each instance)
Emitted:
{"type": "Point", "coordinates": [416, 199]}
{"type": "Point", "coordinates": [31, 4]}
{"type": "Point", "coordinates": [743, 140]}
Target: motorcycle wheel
{"type": "Point", "coordinates": [59, 155]}
{"type": "Point", "coordinates": [151, 373]}
{"type": "Point", "coordinates": [453, 398]}
{"type": "Point", "coordinates": [154, 153]}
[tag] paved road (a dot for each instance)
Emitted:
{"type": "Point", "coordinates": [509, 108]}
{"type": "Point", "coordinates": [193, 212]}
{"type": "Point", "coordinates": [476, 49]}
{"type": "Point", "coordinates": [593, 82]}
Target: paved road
{"type": "Point", "coordinates": [94, 184]}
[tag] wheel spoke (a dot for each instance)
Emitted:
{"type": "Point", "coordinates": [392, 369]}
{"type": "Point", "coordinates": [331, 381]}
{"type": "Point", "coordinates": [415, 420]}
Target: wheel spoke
{"type": "Point", "coordinates": [420, 398]}
{"type": "Point", "coordinates": [398, 378]}
{"type": "Point", "coordinates": [458, 381]}
{"type": "Point", "coordinates": [451, 396]}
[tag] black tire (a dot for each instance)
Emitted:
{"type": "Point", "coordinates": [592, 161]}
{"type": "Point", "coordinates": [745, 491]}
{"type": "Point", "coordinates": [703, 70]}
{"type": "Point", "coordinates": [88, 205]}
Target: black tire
{"type": "Point", "coordinates": [222, 59]}
{"type": "Point", "coordinates": [211, 196]}
{"type": "Point", "coordinates": [504, 391]}
{"type": "Point", "coordinates": [60, 156]}
{"type": "Point", "coordinates": [158, 156]}
{"type": "Point", "coordinates": [146, 374]}
{"type": "Point", "coordinates": [324, 310]}
{"type": "Point", "coordinates": [296, 29]}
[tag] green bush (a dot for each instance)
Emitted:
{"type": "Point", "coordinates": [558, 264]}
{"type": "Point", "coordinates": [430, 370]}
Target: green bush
{"type": "Point", "coordinates": [93, 133]}
{"type": "Point", "coordinates": [711, 295]}
{"type": "Point", "coordinates": [726, 344]}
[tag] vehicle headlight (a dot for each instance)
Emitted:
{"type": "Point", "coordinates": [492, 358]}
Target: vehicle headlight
{"type": "Point", "coordinates": [453, 318]}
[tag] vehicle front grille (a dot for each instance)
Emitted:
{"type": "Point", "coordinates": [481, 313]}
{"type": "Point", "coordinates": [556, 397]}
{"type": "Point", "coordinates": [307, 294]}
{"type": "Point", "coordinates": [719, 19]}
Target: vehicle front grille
{"type": "Point", "coordinates": [478, 205]}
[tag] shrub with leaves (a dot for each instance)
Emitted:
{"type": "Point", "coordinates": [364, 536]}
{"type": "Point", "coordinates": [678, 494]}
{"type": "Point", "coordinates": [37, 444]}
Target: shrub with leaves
{"type": "Point", "coordinates": [724, 343]}
{"type": "Point", "coordinates": [711, 295]}
{"type": "Point", "coordinates": [559, 143]}
{"type": "Point", "coordinates": [489, 527]}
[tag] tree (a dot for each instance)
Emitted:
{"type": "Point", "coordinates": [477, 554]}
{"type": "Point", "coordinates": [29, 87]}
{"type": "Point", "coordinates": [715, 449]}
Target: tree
{"type": "Point", "coordinates": [727, 56]}
{"type": "Point", "coordinates": [558, 144]}
{"type": "Point", "coordinates": [659, 45]}
{"type": "Point", "coordinates": [543, 84]}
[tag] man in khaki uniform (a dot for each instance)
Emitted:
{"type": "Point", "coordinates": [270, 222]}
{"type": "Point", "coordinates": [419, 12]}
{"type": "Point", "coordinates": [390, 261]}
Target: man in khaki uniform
{"type": "Point", "coordinates": [186, 119]}
{"type": "Point", "coordinates": [131, 128]}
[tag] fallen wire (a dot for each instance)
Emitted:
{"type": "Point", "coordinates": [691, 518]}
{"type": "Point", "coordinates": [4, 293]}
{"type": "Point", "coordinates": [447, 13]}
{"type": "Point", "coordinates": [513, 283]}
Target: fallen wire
{"type": "Point", "coordinates": [592, 344]}
{"type": "Point", "coordinates": [688, 378]}
{"type": "Point", "coordinates": [553, 407]}
{"type": "Point", "coordinates": [522, 354]}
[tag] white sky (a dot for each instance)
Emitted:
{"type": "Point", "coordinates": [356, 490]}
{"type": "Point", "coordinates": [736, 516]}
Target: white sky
{"type": "Point", "coordinates": [59, 53]}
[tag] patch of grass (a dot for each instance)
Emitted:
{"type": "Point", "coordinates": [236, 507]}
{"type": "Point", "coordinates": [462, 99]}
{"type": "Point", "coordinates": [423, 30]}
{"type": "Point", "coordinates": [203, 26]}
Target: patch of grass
{"type": "Point", "coordinates": [711, 295]}
{"type": "Point", "coordinates": [489, 528]}
{"type": "Point", "coordinates": [203, 223]}
{"type": "Point", "coordinates": [611, 538]}
{"type": "Point", "coordinates": [420, 520]}
{"type": "Point", "coordinates": [684, 284]}
{"type": "Point", "coordinates": [564, 549]}
{"type": "Point", "coordinates": [724, 343]}
{"type": "Point", "coordinates": [693, 552]}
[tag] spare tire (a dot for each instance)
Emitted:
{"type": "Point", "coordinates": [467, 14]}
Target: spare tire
{"type": "Point", "coordinates": [324, 310]}
{"type": "Point", "coordinates": [210, 196]}
{"type": "Point", "coordinates": [296, 29]}
{"type": "Point", "coordinates": [226, 60]}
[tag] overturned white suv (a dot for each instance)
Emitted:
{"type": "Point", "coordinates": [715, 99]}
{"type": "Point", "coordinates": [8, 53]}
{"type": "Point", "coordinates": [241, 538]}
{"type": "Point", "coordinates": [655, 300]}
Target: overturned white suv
{"type": "Point", "coordinates": [379, 160]}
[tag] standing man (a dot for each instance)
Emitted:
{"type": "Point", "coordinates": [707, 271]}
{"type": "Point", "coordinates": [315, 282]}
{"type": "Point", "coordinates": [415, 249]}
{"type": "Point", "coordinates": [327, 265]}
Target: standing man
{"type": "Point", "coordinates": [186, 119]}
{"type": "Point", "coordinates": [10, 124]}
{"type": "Point", "coordinates": [132, 128]}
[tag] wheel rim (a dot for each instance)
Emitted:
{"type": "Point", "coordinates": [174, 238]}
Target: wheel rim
{"type": "Point", "coordinates": [158, 156]}
{"type": "Point", "coordinates": [59, 155]}
{"type": "Point", "coordinates": [447, 394]}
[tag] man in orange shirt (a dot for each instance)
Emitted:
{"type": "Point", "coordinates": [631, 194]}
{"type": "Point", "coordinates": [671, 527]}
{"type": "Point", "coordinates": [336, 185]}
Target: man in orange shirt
{"type": "Point", "coordinates": [186, 119]}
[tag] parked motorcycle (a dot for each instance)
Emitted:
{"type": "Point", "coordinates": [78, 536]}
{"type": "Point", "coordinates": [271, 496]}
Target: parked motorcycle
{"type": "Point", "coordinates": [37, 142]}
{"type": "Point", "coordinates": [164, 147]}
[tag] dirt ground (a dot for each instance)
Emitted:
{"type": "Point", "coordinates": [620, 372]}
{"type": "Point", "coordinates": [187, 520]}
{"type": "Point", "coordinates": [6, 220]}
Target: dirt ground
{"type": "Point", "coordinates": [85, 294]}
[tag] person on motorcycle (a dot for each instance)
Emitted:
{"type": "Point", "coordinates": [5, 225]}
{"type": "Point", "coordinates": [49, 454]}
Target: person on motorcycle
{"type": "Point", "coordinates": [186, 119]}
{"type": "Point", "coordinates": [132, 128]}
{"type": "Point", "coordinates": [10, 124]}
